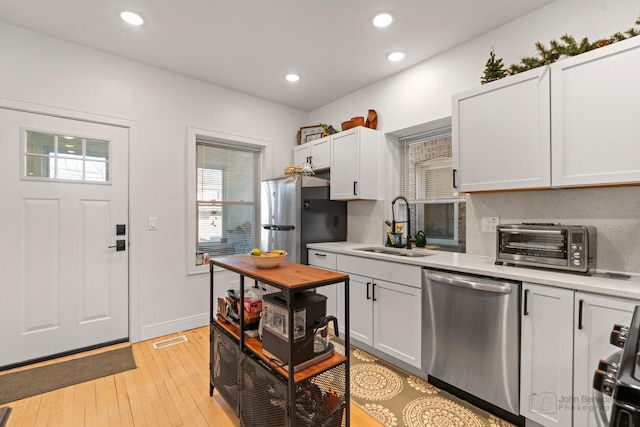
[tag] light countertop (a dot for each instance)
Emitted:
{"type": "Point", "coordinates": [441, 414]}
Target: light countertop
{"type": "Point", "coordinates": [463, 263]}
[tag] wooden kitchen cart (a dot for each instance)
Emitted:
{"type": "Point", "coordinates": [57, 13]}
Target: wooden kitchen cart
{"type": "Point", "coordinates": [261, 391]}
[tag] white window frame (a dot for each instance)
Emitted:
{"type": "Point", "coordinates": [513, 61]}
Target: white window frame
{"type": "Point", "coordinates": [197, 134]}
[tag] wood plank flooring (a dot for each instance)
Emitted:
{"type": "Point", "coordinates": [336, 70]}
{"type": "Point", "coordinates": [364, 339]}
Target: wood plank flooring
{"type": "Point", "coordinates": [169, 388]}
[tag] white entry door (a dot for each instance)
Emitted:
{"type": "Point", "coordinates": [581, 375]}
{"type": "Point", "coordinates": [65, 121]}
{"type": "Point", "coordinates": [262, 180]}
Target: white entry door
{"type": "Point", "coordinates": [64, 206]}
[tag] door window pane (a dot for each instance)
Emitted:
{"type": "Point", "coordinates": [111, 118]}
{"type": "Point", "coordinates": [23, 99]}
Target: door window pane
{"type": "Point", "coordinates": [65, 158]}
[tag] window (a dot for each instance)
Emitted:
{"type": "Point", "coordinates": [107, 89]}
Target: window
{"type": "Point", "coordinates": [65, 158]}
{"type": "Point", "coordinates": [227, 198]}
{"type": "Point", "coordinates": [223, 194]}
{"type": "Point", "coordinates": [426, 181]}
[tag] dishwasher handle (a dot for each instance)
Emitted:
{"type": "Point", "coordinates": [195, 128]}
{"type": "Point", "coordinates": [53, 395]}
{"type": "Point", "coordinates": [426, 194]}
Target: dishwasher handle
{"type": "Point", "coordinates": [470, 283]}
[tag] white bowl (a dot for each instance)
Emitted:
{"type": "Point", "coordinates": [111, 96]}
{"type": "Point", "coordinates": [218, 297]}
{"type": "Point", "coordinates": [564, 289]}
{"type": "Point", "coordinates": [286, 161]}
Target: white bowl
{"type": "Point", "coordinates": [267, 261]}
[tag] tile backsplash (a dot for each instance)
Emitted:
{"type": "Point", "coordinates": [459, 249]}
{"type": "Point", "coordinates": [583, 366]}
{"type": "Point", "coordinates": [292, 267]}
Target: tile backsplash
{"type": "Point", "coordinates": [614, 211]}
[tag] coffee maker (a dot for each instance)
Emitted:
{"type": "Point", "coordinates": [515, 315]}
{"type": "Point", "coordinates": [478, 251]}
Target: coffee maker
{"type": "Point", "coordinates": [309, 326]}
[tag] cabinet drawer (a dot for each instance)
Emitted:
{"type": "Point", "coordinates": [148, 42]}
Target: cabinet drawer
{"type": "Point", "coordinates": [322, 259]}
{"type": "Point", "coordinates": [386, 270]}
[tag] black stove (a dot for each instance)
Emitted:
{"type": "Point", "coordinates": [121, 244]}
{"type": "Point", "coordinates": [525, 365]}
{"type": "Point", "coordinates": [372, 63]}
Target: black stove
{"type": "Point", "coordinates": [621, 379]}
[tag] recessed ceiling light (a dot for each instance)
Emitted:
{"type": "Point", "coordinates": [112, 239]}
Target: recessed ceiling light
{"type": "Point", "coordinates": [395, 56]}
{"type": "Point", "coordinates": [71, 151]}
{"type": "Point", "coordinates": [131, 18]}
{"type": "Point", "coordinates": [382, 20]}
{"type": "Point", "coordinates": [68, 145]}
{"type": "Point", "coordinates": [68, 137]}
{"type": "Point", "coordinates": [292, 77]}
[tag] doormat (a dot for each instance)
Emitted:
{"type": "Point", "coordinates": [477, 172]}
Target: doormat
{"type": "Point", "coordinates": [397, 398]}
{"type": "Point", "coordinates": [27, 383]}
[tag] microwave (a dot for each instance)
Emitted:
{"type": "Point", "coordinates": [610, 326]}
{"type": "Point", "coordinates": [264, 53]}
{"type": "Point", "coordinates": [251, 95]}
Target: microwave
{"type": "Point", "coordinates": [570, 248]}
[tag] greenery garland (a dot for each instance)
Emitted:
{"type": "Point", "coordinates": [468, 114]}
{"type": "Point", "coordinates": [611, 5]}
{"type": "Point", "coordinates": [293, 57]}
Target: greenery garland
{"type": "Point", "coordinates": [567, 46]}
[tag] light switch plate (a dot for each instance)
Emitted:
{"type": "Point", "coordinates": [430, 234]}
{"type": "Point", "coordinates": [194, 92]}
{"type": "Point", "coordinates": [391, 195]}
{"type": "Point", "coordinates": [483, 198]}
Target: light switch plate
{"type": "Point", "coordinates": [153, 223]}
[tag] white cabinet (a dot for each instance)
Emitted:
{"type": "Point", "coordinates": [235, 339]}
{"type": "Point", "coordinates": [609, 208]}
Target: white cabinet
{"type": "Point", "coordinates": [595, 110]}
{"type": "Point", "coordinates": [591, 343]}
{"type": "Point", "coordinates": [561, 125]}
{"type": "Point", "coordinates": [385, 306]}
{"type": "Point", "coordinates": [355, 164]}
{"type": "Point", "coordinates": [500, 134]}
{"type": "Point", "coordinates": [565, 333]}
{"type": "Point", "coordinates": [317, 153]}
{"type": "Point", "coordinates": [546, 355]}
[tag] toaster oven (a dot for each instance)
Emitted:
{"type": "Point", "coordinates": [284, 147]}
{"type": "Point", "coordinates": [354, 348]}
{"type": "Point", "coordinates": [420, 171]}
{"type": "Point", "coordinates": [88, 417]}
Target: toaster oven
{"type": "Point", "coordinates": [569, 248]}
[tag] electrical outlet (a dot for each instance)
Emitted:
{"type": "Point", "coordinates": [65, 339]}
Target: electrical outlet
{"type": "Point", "coordinates": [490, 224]}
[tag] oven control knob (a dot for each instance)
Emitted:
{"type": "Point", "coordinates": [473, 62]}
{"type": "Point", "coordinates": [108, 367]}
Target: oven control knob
{"type": "Point", "coordinates": [577, 262]}
{"type": "Point", "coordinates": [574, 247]}
{"type": "Point", "coordinates": [610, 368]}
{"type": "Point", "coordinates": [619, 335]}
{"type": "Point", "coordinates": [577, 255]}
{"type": "Point", "coordinates": [604, 382]}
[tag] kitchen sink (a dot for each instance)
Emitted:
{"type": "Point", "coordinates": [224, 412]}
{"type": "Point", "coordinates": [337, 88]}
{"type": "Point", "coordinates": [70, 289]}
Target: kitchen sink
{"type": "Point", "coordinates": [395, 251]}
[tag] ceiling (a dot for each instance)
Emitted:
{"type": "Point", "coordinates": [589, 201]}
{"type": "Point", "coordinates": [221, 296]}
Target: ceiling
{"type": "Point", "coordinates": [249, 45]}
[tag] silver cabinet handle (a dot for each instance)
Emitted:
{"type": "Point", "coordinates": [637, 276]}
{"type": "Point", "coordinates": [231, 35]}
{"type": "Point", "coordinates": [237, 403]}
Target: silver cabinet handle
{"type": "Point", "coordinates": [470, 283]}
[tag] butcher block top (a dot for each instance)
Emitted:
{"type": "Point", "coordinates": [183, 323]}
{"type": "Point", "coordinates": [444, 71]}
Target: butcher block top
{"type": "Point", "coordinates": [288, 275]}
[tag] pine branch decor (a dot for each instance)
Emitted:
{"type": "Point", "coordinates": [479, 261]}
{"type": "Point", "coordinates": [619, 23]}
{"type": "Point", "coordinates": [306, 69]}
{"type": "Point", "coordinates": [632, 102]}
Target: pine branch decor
{"type": "Point", "coordinates": [494, 69]}
{"type": "Point", "coordinates": [567, 46]}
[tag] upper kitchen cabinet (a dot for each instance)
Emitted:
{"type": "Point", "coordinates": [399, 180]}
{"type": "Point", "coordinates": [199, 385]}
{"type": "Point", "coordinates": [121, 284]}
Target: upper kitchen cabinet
{"type": "Point", "coordinates": [355, 164]}
{"type": "Point", "coordinates": [500, 133]}
{"type": "Point", "coordinates": [317, 153]}
{"type": "Point", "coordinates": [594, 122]}
{"type": "Point", "coordinates": [570, 124]}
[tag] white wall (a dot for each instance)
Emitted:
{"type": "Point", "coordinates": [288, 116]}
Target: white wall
{"type": "Point", "coordinates": [423, 93]}
{"type": "Point", "coordinates": [42, 70]}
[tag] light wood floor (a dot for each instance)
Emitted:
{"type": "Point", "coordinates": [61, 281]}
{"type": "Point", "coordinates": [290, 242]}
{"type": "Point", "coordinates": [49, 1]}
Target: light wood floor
{"type": "Point", "coordinates": [170, 387]}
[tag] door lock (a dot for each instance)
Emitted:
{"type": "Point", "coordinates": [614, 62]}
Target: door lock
{"type": "Point", "coordinates": [120, 245]}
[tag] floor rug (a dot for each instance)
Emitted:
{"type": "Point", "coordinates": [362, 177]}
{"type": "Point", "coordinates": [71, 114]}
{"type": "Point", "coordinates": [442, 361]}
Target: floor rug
{"type": "Point", "coordinates": [21, 384]}
{"type": "Point", "coordinates": [399, 399]}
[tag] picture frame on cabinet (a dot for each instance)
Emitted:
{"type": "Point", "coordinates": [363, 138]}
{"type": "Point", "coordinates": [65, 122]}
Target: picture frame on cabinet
{"type": "Point", "coordinates": [305, 131]}
{"type": "Point", "coordinates": [314, 136]}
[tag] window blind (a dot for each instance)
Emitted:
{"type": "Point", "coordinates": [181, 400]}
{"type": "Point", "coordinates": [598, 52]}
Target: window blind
{"type": "Point", "coordinates": [227, 197]}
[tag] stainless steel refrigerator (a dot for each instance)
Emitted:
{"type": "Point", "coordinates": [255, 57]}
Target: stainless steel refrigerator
{"type": "Point", "coordinates": [298, 211]}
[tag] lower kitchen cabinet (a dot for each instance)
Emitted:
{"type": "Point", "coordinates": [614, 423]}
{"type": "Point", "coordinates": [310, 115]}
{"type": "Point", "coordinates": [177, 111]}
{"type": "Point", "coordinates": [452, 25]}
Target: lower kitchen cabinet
{"type": "Point", "coordinates": [546, 355]}
{"type": "Point", "coordinates": [592, 331]}
{"type": "Point", "coordinates": [565, 333]}
{"type": "Point", "coordinates": [385, 306]}
{"type": "Point", "coordinates": [386, 316]}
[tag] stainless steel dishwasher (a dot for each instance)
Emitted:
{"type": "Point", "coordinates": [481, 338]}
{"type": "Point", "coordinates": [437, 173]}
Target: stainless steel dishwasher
{"type": "Point", "coordinates": [471, 335]}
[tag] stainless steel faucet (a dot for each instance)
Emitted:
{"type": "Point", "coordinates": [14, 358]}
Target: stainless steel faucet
{"type": "Point", "coordinates": [408, 221]}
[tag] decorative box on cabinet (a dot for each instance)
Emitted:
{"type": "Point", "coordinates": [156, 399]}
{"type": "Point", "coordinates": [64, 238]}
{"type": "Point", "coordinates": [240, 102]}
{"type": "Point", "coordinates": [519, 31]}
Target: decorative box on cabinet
{"type": "Point", "coordinates": [266, 393]}
{"type": "Point", "coordinates": [355, 164]}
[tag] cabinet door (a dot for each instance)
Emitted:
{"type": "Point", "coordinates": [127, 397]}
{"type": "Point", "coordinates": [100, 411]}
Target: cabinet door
{"type": "Point", "coordinates": [594, 117]}
{"type": "Point", "coordinates": [360, 308]}
{"type": "Point", "coordinates": [546, 357]}
{"type": "Point", "coordinates": [592, 331]}
{"type": "Point", "coordinates": [345, 165]}
{"type": "Point", "coordinates": [321, 153]}
{"type": "Point", "coordinates": [301, 154]}
{"type": "Point", "coordinates": [501, 134]}
{"type": "Point", "coordinates": [397, 321]}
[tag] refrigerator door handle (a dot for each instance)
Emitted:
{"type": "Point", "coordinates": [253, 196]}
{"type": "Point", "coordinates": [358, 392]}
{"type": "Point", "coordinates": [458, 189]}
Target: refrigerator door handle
{"type": "Point", "coordinates": [278, 227]}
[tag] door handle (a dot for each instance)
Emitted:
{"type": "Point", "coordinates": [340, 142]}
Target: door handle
{"type": "Point", "coordinates": [470, 283]}
{"type": "Point", "coordinates": [121, 245]}
{"type": "Point", "coordinates": [526, 299]}
{"type": "Point", "coordinates": [580, 304]}
{"type": "Point", "coordinates": [373, 292]}
{"type": "Point", "coordinates": [454, 178]}
{"type": "Point", "coordinates": [355, 188]}
{"type": "Point", "coordinates": [368, 284]}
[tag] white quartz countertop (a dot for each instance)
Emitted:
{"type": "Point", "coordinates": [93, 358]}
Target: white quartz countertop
{"type": "Point", "coordinates": [463, 263]}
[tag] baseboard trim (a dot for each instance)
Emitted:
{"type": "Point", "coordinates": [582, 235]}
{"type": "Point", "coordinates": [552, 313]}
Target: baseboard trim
{"type": "Point", "coordinates": [174, 326]}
